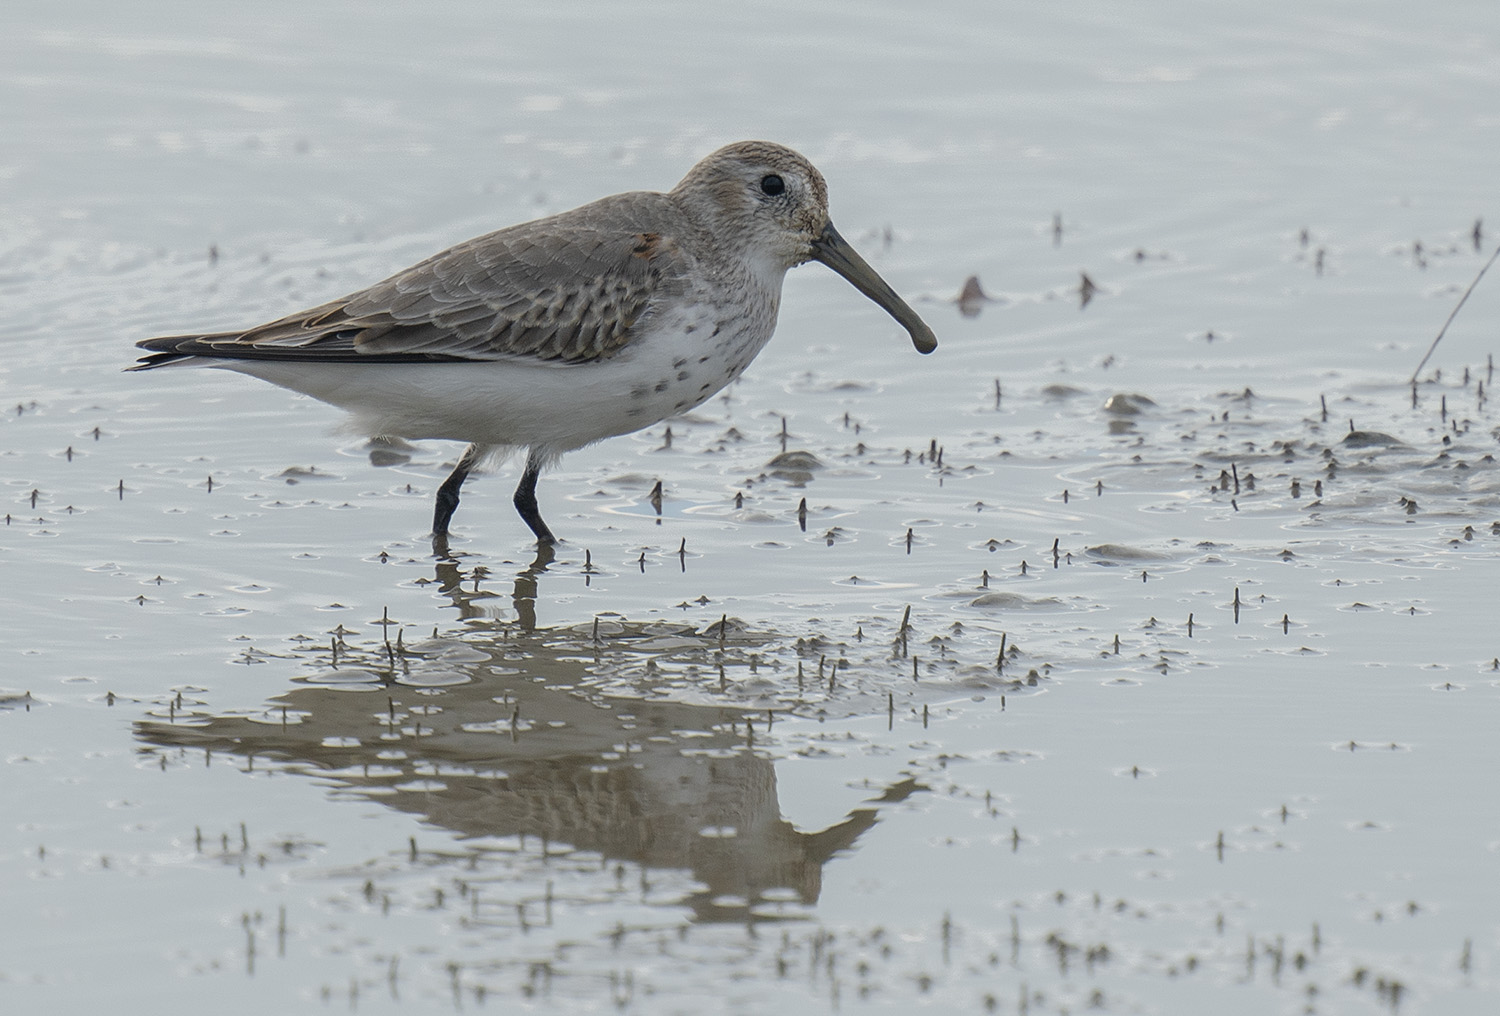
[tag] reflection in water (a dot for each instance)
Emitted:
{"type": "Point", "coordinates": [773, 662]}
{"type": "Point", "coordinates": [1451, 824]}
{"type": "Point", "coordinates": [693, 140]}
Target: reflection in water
{"type": "Point", "coordinates": [502, 733]}
{"type": "Point", "coordinates": [450, 578]}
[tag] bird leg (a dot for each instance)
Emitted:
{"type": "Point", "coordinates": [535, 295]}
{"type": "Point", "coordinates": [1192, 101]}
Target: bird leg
{"type": "Point", "coordinates": [447, 495]}
{"type": "Point", "coordinates": [525, 499]}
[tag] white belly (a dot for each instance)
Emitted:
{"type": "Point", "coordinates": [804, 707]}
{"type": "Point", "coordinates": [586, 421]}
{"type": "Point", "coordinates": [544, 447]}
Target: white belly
{"type": "Point", "coordinates": [673, 366]}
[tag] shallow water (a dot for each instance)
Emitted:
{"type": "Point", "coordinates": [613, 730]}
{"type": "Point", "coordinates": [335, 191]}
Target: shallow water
{"type": "Point", "coordinates": [1193, 707]}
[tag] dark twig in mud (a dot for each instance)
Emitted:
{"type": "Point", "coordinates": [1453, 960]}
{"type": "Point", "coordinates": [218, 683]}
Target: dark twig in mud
{"type": "Point", "coordinates": [1453, 314]}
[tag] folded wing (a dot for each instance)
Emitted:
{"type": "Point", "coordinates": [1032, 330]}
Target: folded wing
{"type": "Point", "coordinates": [569, 289]}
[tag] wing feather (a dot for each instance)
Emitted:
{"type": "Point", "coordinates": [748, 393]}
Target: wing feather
{"type": "Point", "coordinates": [570, 288]}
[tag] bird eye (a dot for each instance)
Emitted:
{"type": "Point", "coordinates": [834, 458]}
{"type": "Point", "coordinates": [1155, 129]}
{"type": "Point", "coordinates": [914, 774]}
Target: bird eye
{"type": "Point", "coordinates": [772, 184]}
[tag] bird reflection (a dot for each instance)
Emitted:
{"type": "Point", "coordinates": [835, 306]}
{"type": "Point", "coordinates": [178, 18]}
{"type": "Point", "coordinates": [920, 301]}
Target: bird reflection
{"type": "Point", "coordinates": [450, 577]}
{"type": "Point", "coordinates": [502, 732]}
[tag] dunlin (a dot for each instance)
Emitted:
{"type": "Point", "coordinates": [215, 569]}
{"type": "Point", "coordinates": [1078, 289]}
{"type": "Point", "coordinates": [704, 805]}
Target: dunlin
{"type": "Point", "coordinates": [553, 334]}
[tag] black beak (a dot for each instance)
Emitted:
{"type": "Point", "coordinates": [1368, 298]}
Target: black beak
{"type": "Point", "coordinates": [834, 251]}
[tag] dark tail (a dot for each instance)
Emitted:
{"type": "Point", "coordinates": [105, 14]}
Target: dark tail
{"type": "Point", "coordinates": [167, 349]}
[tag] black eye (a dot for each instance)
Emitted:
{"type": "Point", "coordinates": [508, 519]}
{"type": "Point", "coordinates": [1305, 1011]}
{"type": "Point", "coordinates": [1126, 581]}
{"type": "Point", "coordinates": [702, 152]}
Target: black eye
{"type": "Point", "coordinates": [772, 184]}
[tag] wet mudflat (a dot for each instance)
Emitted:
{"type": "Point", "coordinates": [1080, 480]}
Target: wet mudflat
{"type": "Point", "coordinates": [1130, 653]}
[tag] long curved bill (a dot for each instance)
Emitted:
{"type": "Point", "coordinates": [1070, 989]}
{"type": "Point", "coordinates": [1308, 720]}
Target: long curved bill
{"type": "Point", "coordinates": [834, 251]}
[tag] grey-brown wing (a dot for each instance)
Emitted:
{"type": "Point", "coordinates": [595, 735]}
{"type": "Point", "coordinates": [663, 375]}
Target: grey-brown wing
{"type": "Point", "coordinates": [570, 288]}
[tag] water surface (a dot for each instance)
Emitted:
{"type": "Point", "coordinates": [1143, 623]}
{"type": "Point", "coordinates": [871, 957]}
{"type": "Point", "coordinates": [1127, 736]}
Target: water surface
{"type": "Point", "coordinates": [1133, 656]}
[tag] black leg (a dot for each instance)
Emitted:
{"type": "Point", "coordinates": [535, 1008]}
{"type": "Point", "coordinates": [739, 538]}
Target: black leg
{"type": "Point", "coordinates": [526, 500]}
{"type": "Point", "coordinates": [447, 495]}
